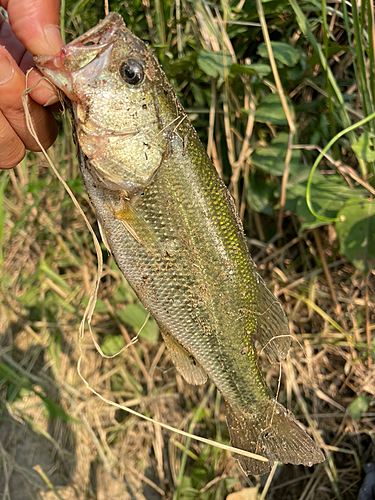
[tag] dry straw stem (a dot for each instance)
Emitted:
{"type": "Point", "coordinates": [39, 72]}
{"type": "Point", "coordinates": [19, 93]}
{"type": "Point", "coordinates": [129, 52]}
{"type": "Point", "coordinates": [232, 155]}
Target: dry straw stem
{"type": "Point", "coordinates": [106, 7]}
{"type": "Point", "coordinates": [93, 298]}
{"type": "Point", "coordinates": [344, 170]}
{"type": "Point", "coordinates": [284, 104]}
{"type": "Point", "coordinates": [94, 293]}
{"type": "Point", "coordinates": [329, 278]}
{"type": "Point", "coordinates": [166, 426]}
{"type": "Point", "coordinates": [44, 476]}
{"type": "Point", "coordinates": [367, 312]}
{"type": "Point", "coordinates": [268, 482]}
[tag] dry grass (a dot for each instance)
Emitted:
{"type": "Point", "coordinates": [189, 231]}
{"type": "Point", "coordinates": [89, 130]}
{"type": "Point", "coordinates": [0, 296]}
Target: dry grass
{"type": "Point", "coordinates": [99, 449]}
{"type": "Point", "coordinates": [57, 440]}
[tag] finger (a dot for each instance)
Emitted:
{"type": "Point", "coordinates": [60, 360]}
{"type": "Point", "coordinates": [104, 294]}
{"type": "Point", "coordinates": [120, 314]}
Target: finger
{"type": "Point", "coordinates": [11, 146]}
{"type": "Point", "coordinates": [44, 92]}
{"type": "Point", "coordinates": [10, 42]}
{"type": "Point", "coordinates": [36, 24]}
{"type": "Point", "coordinates": [12, 84]}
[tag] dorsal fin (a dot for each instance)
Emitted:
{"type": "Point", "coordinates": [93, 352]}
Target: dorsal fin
{"type": "Point", "coordinates": [272, 325]}
{"type": "Point", "coordinates": [186, 365]}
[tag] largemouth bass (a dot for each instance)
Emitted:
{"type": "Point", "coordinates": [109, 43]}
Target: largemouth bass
{"type": "Point", "coordinates": [174, 232]}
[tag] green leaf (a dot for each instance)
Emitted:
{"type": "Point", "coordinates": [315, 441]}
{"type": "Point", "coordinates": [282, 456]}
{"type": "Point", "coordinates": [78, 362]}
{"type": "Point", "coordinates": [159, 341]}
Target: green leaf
{"type": "Point", "coordinates": [270, 110]}
{"type": "Point", "coordinates": [260, 192]}
{"type": "Point", "coordinates": [364, 147]}
{"type": "Point", "coordinates": [134, 315]}
{"type": "Point", "coordinates": [359, 406]}
{"type": "Point", "coordinates": [271, 158]}
{"type": "Point", "coordinates": [282, 52]}
{"type": "Point", "coordinates": [232, 482]}
{"type": "Point", "coordinates": [100, 306]}
{"type": "Point", "coordinates": [56, 278]}
{"type": "Point", "coordinates": [356, 232]}
{"type": "Point", "coordinates": [112, 344]}
{"type": "Point", "coordinates": [213, 63]}
{"type": "Point", "coordinates": [308, 221]}
{"type": "Point", "coordinates": [259, 69]}
{"type": "Point", "coordinates": [328, 195]}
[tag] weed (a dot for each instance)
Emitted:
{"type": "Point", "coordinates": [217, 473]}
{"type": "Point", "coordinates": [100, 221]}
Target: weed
{"type": "Point", "coordinates": [268, 86]}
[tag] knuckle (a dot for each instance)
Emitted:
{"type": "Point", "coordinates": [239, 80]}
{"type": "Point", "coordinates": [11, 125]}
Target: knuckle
{"type": "Point", "coordinates": [14, 154]}
{"type": "Point", "coordinates": [46, 132]}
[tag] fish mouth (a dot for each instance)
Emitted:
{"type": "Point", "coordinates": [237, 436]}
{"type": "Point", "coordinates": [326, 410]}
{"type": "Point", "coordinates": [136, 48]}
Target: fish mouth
{"type": "Point", "coordinates": [79, 53]}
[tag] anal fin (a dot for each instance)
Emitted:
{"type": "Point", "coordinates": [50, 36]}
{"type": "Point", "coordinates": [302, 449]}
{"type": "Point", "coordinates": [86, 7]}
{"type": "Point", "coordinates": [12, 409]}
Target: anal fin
{"type": "Point", "coordinates": [186, 365]}
{"type": "Point", "coordinates": [272, 325]}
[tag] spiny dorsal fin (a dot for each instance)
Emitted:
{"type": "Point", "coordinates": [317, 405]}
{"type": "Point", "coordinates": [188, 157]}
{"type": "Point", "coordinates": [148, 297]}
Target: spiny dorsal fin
{"type": "Point", "coordinates": [272, 325]}
{"type": "Point", "coordinates": [186, 365]}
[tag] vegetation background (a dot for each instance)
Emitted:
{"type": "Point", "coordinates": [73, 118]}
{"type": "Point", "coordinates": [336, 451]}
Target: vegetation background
{"type": "Point", "coordinates": [268, 85]}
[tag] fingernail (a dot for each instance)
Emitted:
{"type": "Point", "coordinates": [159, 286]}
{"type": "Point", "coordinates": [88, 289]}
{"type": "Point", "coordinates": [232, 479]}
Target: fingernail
{"type": "Point", "coordinates": [6, 69]}
{"type": "Point", "coordinates": [53, 37]}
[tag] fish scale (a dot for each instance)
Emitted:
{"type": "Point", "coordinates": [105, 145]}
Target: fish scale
{"type": "Point", "coordinates": [175, 234]}
{"type": "Point", "coordinates": [191, 319]}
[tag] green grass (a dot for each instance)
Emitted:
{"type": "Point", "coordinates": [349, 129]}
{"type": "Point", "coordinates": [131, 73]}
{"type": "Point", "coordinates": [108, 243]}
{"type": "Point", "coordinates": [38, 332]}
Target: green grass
{"type": "Point", "coordinates": [219, 59]}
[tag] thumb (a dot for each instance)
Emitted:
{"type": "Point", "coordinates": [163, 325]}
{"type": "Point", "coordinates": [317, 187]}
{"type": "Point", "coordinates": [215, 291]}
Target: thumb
{"type": "Point", "coordinates": [36, 24]}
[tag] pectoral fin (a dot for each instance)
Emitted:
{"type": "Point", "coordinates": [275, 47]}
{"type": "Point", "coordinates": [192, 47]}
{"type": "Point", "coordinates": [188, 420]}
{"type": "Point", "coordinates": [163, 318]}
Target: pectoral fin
{"type": "Point", "coordinates": [135, 224]}
{"type": "Point", "coordinates": [272, 325]}
{"type": "Point", "coordinates": [186, 365]}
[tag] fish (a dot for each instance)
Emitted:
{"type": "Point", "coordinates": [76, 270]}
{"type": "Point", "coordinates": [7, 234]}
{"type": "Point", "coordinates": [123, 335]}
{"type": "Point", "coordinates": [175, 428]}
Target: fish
{"type": "Point", "coordinates": [173, 229]}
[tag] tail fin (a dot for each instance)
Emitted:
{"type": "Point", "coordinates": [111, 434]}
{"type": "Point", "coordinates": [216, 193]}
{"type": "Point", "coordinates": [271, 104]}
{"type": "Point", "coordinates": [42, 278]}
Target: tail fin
{"type": "Point", "coordinates": [274, 434]}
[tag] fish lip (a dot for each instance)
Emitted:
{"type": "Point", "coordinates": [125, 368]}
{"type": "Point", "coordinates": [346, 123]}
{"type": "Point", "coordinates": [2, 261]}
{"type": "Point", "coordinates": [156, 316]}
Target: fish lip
{"type": "Point", "coordinates": [102, 35]}
{"type": "Point", "coordinates": [75, 55]}
{"type": "Point", "coordinates": [102, 32]}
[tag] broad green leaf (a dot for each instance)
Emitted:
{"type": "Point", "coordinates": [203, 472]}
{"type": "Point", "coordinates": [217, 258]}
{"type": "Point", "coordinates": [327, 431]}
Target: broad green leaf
{"type": "Point", "coordinates": [271, 158]}
{"type": "Point", "coordinates": [282, 52]}
{"type": "Point", "coordinates": [259, 194]}
{"type": "Point", "coordinates": [364, 147]}
{"type": "Point", "coordinates": [295, 74]}
{"type": "Point", "coordinates": [308, 221]}
{"type": "Point", "coordinates": [112, 344]}
{"type": "Point", "coordinates": [270, 110]}
{"type": "Point", "coordinates": [213, 63]}
{"type": "Point", "coordinates": [259, 69]}
{"type": "Point", "coordinates": [269, 6]}
{"type": "Point", "coordinates": [356, 232]}
{"type": "Point", "coordinates": [328, 195]}
{"type": "Point", "coordinates": [359, 405]}
{"type": "Point", "coordinates": [100, 306]}
{"type": "Point", "coordinates": [135, 315]}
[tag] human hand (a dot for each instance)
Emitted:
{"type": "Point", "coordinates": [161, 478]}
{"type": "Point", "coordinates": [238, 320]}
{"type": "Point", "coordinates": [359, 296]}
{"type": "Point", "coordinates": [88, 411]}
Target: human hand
{"type": "Point", "coordinates": [33, 29]}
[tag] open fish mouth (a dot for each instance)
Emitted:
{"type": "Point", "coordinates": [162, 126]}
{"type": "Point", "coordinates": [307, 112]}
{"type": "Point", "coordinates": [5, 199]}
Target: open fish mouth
{"type": "Point", "coordinates": [79, 53]}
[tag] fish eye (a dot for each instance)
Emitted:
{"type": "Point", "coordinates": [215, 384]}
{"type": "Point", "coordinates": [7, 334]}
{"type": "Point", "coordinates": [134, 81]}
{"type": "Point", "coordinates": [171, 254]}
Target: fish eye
{"type": "Point", "coordinates": [131, 71]}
